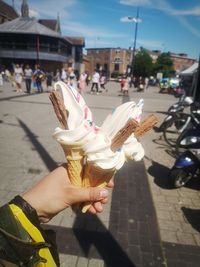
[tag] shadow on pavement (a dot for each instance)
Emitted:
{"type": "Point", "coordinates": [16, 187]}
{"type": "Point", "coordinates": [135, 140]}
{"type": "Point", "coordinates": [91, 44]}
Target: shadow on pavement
{"type": "Point", "coordinates": [193, 217]}
{"type": "Point", "coordinates": [91, 244]}
{"type": "Point", "coordinates": [47, 159]}
{"type": "Point", "coordinates": [160, 174]}
{"type": "Point", "coordinates": [133, 237]}
{"type": "Point", "coordinates": [194, 183]}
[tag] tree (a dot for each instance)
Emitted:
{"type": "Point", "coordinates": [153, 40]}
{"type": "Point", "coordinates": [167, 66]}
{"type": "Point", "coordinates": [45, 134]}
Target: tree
{"type": "Point", "coordinates": [142, 65]}
{"type": "Point", "coordinates": [164, 64]}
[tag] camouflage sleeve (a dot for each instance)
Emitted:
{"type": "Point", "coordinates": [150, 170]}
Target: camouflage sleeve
{"type": "Point", "coordinates": [19, 244]}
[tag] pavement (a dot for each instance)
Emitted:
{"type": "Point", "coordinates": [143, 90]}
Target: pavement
{"type": "Point", "coordinates": [145, 223]}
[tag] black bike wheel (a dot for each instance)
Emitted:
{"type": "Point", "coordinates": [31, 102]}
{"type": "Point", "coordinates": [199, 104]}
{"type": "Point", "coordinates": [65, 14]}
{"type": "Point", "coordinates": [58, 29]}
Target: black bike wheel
{"type": "Point", "coordinates": [173, 130]}
{"type": "Point", "coordinates": [179, 177]}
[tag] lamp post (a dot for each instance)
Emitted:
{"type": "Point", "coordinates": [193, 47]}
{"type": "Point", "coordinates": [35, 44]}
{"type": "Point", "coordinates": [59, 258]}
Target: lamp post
{"type": "Point", "coordinates": [136, 20]}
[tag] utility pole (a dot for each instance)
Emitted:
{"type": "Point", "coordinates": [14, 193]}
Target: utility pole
{"type": "Point", "coordinates": [135, 40]}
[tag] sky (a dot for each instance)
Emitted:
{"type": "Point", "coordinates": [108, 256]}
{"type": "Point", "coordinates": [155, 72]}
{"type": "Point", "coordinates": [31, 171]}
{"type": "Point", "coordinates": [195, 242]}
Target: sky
{"type": "Point", "coordinates": [166, 25]}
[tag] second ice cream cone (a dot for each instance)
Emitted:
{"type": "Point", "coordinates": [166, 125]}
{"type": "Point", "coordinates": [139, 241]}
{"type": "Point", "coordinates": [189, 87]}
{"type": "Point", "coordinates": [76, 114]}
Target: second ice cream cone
{"type": "Point", "coordinates": [95, 176]}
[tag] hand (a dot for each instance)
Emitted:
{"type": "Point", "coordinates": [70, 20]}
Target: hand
{"type": "Point", "coordinates": [55, 193]}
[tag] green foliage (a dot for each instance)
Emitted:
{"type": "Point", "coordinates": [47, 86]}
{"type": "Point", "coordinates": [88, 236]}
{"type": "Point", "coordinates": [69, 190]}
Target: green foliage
{"type": "Point", "coordinates": [164, 64]}
{"type": "Point", "coordinates": [143, 65]}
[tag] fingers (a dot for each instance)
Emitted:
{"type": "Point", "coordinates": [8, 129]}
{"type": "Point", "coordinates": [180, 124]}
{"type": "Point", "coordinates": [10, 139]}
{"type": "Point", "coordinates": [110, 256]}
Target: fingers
{"type": "Point", "coordinates": [110, 184]}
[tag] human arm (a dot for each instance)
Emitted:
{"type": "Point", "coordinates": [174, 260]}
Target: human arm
{"type": "Point", "coordinates": [54, 193]}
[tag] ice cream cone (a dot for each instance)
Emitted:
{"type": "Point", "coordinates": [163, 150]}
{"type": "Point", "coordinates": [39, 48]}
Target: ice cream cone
{"type": "Point", "coordinates": [75, 160]}
{"type": "Point", "coordinates": [95, 177]}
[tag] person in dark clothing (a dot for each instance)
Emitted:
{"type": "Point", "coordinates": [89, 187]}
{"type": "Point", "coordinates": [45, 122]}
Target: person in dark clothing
{"type": "Point", "coordinates": [28, 73]}
{"type": "Point", "coordinates": [39, 77]}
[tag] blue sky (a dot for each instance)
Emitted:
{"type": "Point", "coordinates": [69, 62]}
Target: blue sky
{"type": "Point", "coordinates": [167, 25]}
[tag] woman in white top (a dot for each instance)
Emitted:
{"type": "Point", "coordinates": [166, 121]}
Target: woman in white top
{"type": "Point", "coordinates": [82, 82]}
{"type": "Point", "coordinates": [18, 76]}
{"type": "Point", "coordinates": [95, 82]}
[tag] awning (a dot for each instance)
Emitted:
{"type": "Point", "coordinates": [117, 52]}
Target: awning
{"type": "Point", "coordinates": [191, 70]}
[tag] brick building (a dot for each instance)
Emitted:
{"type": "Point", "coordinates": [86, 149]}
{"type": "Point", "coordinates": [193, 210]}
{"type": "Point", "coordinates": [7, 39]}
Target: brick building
{"type": "Point", "coordinates": [181, 61]}
{"type": "Point", "coordinates": [7, 12]}
{"type": "Point", "coordinates": [111, 60]}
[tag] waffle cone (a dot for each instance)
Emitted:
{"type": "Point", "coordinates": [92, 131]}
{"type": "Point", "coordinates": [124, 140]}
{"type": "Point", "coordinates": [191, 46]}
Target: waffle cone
{"type": "Point", "coordinates": [95, 177]}
{"type": "Point", "coordinates": [75, 159]}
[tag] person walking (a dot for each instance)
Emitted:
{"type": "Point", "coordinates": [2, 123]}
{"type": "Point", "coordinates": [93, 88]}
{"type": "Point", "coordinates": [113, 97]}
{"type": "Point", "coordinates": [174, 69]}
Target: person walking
{"type": "Point", "coordinates": [71, 78]}
{"type": "Point", "coordinates": [49, 80]}
{"type": "Point", "coordinates": [95, 82]}
{"type": "Point", "coordinates": [18, 77]}
{"type": "Point", "coordinates": [57, 76]}
{"type": "Point", "coordinates": [39, 76]}
{"type": "Point", "coordinates": [1, 78]}
{"type": "Point", "coordinates": [126, 86]}
{"type": "Point", "coordinates": [103, 81]}
{"type": "Point", "coordinates": [28, 73]}
{"type": "Point", "coordinates": [146, 83]}
{"type": "Point", "coordinates": [82, 82]}
{"type": "Point", "coordinates": [63, 75]}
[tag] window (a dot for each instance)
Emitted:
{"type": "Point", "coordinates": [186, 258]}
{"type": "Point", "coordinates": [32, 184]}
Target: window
{"type": "Point", "coordinates": [116, 67]}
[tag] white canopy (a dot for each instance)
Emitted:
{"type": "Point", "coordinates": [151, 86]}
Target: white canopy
{"type": "Point", "coordinates": [192, 69]}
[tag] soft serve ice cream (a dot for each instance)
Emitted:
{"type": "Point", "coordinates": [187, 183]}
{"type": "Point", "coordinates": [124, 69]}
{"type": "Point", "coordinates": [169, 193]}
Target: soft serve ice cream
{"type": "Point", "coordinates": [80, 129]}
{"type": "Point", "coordinates": [94, 154]}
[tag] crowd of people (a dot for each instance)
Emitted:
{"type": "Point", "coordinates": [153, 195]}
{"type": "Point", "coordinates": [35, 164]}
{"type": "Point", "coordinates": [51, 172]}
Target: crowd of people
{"type": "Point", "coordinates": [35, 79]}
{"type": "Point", "coordinates": [139, 83]}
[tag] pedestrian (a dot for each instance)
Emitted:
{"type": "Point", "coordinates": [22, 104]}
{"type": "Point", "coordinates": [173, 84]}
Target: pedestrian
{"type": "Point", "coordinates": [126, 86]}
{"type": "Point", "coordinates": [39, 77]}
{"type": "Point", "coordinates": [88, 79]}
{"type": "Point", "coordinates": [95, 82]}
{"type": "Point", "coordinates": [1, 78]}
{"type": "Point", "coordinates": [103, 81]}
{"type": "Point", "coordinates": [8, 75]}
{"type": "Point", "coordinates": [49, 80]}
{"type": "Point", "coordinates": [28, 73]}
{"type": "Point", "coordinates": [122, 82]}
{"type": "Point", "coordinates": [71, 78]}
{"type": "Point", "coordinates": [146, 83]}
{"type": "Point", "coordinates": [63, 75]}
{"type": "Point", "coordinates": [18, 77]}
{"type": "Point", "coordinates": [23, 240]}
{"type": "Point", "coordinates": [82, 82]}
{"type": "Point", "coordinates": [57, 76]}
{"type": "Point", "coordinates": [141, 84]}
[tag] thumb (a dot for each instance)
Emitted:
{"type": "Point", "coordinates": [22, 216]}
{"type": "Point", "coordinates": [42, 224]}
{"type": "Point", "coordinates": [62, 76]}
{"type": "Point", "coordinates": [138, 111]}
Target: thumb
{"type": "Point", "coordinates": [89, 194]}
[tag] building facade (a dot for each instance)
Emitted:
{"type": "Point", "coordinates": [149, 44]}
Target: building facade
{"type": "Point", "coordinates": [181, 61]}
{"type": "Point", "coordinates": [26, 40]}
{"type": "Point", "coordinates": [7, 12]}
{"type": "Point", "coordinates": [113, 61]}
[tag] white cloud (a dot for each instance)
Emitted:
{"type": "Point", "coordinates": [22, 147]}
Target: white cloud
{"type": "Point", "coordinates": [130, 19]}
{"type": "Point", "coordinates": [165, 7]}
{"type": "Point", "coordinates": [151, 44]}
{"type": "Point", "coordinates": [33, 13]}
{"type": "Point", "coordinates": [188, 12]}
{"type": "Point", "coordinates": [135, 2]}
{"type": "Point", "coordinates": [86, 31]}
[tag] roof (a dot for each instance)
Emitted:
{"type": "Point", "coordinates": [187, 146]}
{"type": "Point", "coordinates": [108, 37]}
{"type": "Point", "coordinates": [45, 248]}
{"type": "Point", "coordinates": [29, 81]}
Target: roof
{"type": "Point", "coordinates": [192, 69]}
{"type": "Point", "coordinates": [26, 25]}
{"type": "Point", "coordinates": [75, 40]}
{"type": "Point", "coordinates": [49, 23]}
{"type": "Point", "coordinates": [7, 10]}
